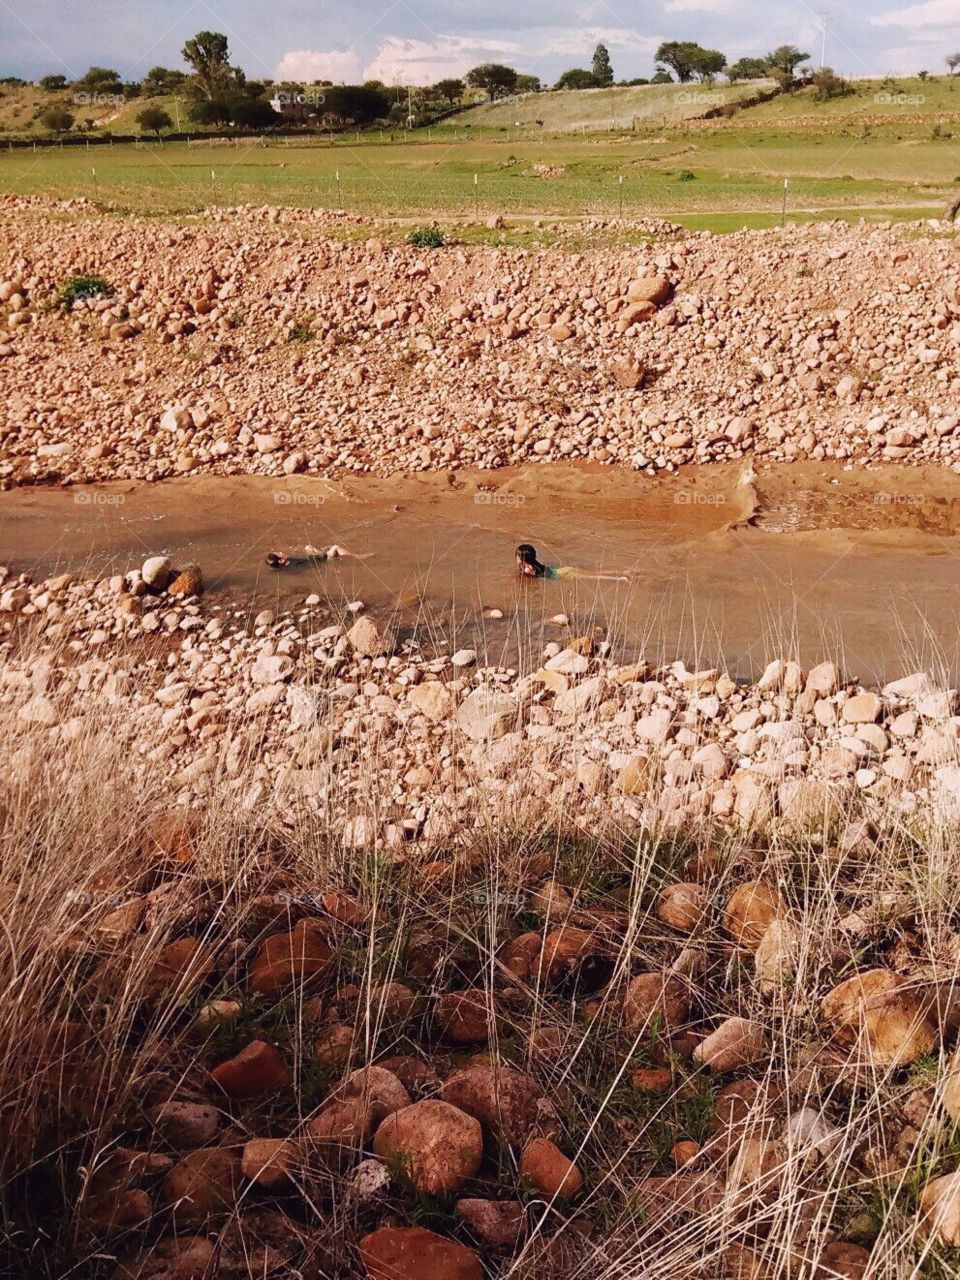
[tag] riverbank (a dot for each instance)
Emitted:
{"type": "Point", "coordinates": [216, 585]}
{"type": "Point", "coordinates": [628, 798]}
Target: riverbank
{"type": "Point", "coordinates": [270, 342]}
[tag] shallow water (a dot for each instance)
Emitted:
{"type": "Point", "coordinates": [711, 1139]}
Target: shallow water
{"type": "Point", "coordinates": [806, 558]}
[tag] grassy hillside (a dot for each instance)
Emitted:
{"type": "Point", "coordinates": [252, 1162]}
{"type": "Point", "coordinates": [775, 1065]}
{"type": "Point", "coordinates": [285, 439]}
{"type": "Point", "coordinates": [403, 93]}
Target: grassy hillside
{"type": "Point", "coordinates": [650, 106]}
{"type": "Point", "coordinates": [898, 99]}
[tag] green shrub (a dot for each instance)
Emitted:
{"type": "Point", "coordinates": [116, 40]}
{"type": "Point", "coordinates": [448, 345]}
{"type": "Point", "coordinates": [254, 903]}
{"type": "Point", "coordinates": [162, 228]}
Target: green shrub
{"type": "Point", "coordinates": [76, 288]}
{"type": "Point", "coordinates": [426, 238]}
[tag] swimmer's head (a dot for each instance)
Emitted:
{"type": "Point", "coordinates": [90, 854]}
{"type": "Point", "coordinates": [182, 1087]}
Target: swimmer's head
{"type": "Point", "coordinates": [527, 561]}
{"type": "Point", "coordinates": [277, 561]}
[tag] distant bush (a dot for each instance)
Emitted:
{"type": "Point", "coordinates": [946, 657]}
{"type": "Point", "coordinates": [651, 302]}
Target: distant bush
{"type": "Point", "coordinates": [426, 238]}
{"type": "Point", "coordinates": [827, 84]}
{"type": "Point", "coordinates": [77, 288]}
{"type": "Point", "coordinates": [57, 119]}
{"type": "Point", "coordinates": [686, 176]}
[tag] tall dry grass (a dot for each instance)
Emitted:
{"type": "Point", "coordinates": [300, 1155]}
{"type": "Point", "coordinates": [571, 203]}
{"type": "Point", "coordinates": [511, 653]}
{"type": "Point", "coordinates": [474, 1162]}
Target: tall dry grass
{"type": "Point", "coordinates": [95, 877]}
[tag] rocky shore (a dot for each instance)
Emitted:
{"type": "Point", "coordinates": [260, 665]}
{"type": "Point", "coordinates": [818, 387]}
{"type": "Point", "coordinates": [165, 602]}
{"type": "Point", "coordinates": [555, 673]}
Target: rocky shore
{"type": "Point", "coordinates": [292, 710]}
{"type": "Point", "coordinates": [279, 342]}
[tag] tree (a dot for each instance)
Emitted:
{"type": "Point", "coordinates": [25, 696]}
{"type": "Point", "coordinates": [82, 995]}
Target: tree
{"type": "Point", "coordinates": [602, 67]}
{"type": "Point", "coordinates": [57, 119]}
{"type": "Point", "coordinates": [53, 84]}
{"type": "Point", "coordinates": [707, 63]}
{"type": "Point", "coordinates": [210, 111]}
{"type": "Point", "coordinates": [208, 54]}
{"type": "Point", "coordinates": [576, 78]}
{"type": "Point", "coordinates": [100, 80]}
{"type": "Point", "coordinates": [748, 69]}
{"type": "Point", "coordinates": [495, 78]}
{"type": "Point", "coordinates": [253, 113]}
{"type": "Point", "coordinates": [661, 76]}
{"type": "Point", "coordinates": [357, 103]}
{"type": "Point", "coordinates": [450, 89]}
{"type": "Point", "coordinates": [679, 56]}
{"type": "Point", "coordinates": [153, 119]}
{"type": "Point", "coordinates": [785, 59]}
{"type": "Point", "coordinates": [528, 84]}
{"type": "Point", "coordinates": [162, 80]}
{"type": "Point", "coordinates": [953, 62]}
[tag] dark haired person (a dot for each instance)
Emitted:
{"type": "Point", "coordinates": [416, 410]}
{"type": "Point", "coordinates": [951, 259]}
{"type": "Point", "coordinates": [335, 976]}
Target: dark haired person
{"type": "Point", "coordinates": [530, 566]}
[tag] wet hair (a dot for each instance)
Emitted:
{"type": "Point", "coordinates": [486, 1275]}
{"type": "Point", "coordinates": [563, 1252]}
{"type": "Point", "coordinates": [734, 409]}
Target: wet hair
{"type": "Point", "coordinates": [527, 555]}
{"type": "Point", "coordinates": [275, 560]}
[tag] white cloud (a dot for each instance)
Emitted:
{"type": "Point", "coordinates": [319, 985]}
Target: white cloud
{"type": "Point", "coordinates": [581, 43]}
{"type": "Point", "coordinates": [932, 13]}
{"type": "Point", "coordinates": [700, 6]}
{"type": "Point", "coordinates": [304, 65]}
{"type": "Point", "coordinates": [401, 60]}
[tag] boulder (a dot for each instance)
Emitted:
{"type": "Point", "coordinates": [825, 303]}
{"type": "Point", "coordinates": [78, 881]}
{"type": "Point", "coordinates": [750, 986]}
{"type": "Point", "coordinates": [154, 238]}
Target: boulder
{"type": "Point", "coordinates": [465, 1017]}
{"type": "Point", "coordinates": [414, 1253]}
{"type": "Point", "coordinates": [299, 959]}
{"type": "Point", "coordinates": [438, 1146]}
{"type": "Point", "coordinates": [368, 640]}
{"type": "Point", "coordinates": [188, 582]}
{"type": "Point", "coordinates": [736, 1043]}
{"type": "Point", "coordinates": [502, 1099]}
{"type": "Point", "coordinates": [548, 1170]}
{"type": "Point", "coordinates": [486, 714]}
{"type": "Point", "coordinates": [683, 906]}
{"type": "Point", "coordinates": [256, 1071]}
{"type": "Point", "coordinates": [750, 909]}
{"type": "Point", "coordinates": [203, 1185]}
{"type": "Point", "coordinates": [888, 1016]}
{"type": "Point", "coordinates": [156, 572]}
{"type": "Point", "coordinates": [655, 997]}
{"type": "Point", "coordinates": [499, 1224]}
{"type": "Point", "coordinates": [940, 1208]}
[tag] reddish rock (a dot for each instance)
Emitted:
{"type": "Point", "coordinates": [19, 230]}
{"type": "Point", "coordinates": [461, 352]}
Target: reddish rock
{"type": "Point", "coordinates": [204, 1184]}
{"type": "Point", "coordinates": [414, 1253]}
{"type": "Point", "coordinates": [547, 1169]}
{"type": "Point", "coordinates": [655, 998]}
{"type": "Point", "coordinates": [500, 1224]}
{"type": "Point", "coordinates": [464, 1016]}
{"type": "Point", "coordinates": [257, 1070]}
{"type": "Point", "coordinates": [270, 1162]}
{"type": "Point", "coordinates": [179, 969]}
{"type": "Point", "coordinates": [502, 1099]}
{"type": "Point", "coordinates": [180, 1258]}
{"type": "Point", "coordinates": [438, 1146]}
{"type": "Point", "coordinates": [295, 959]}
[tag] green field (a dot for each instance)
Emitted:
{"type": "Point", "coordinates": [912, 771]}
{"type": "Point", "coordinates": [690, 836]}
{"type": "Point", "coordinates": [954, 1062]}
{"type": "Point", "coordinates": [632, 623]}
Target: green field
{"type": "Point", "coordinates": [710, 172]}
{"type": "Point", "coordinates": [879, 152]}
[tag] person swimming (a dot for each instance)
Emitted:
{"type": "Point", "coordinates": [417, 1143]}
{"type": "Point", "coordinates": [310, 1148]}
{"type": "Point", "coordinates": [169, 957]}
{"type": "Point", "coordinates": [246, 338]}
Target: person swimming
{"type": "Point", "coordinates": [313, 555]}
{"type": "Point", "coordinates": [530, 566]}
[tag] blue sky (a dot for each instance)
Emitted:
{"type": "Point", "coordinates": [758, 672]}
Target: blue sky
{"type": "Point", "coordinates": [418, 41]}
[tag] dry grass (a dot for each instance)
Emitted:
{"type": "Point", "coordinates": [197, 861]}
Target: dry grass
{"type": "Point", "coordinates": [826, 1147]}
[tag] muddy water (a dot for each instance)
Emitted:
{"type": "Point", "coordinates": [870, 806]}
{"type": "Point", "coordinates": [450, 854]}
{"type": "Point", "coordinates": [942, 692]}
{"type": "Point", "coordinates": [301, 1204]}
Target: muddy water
{"type": "Point", "coordinates": [720, 565]}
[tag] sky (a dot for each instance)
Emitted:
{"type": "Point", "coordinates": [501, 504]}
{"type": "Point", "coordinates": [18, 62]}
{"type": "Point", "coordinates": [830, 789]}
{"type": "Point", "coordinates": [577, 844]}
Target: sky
{"type": "Point", "coordinates": [420, 41]}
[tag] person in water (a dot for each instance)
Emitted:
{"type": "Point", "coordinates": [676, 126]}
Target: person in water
{"type": "Point", "coordinates": [314, 555]}
{"type": "Point", "coordinates": [530, 566]}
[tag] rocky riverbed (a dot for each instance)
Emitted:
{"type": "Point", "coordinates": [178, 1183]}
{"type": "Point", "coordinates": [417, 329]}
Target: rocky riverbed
{"type": "Point", "coordinates": [289, 713]}
{"type": "Point", "coordinates": [254, 341]}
